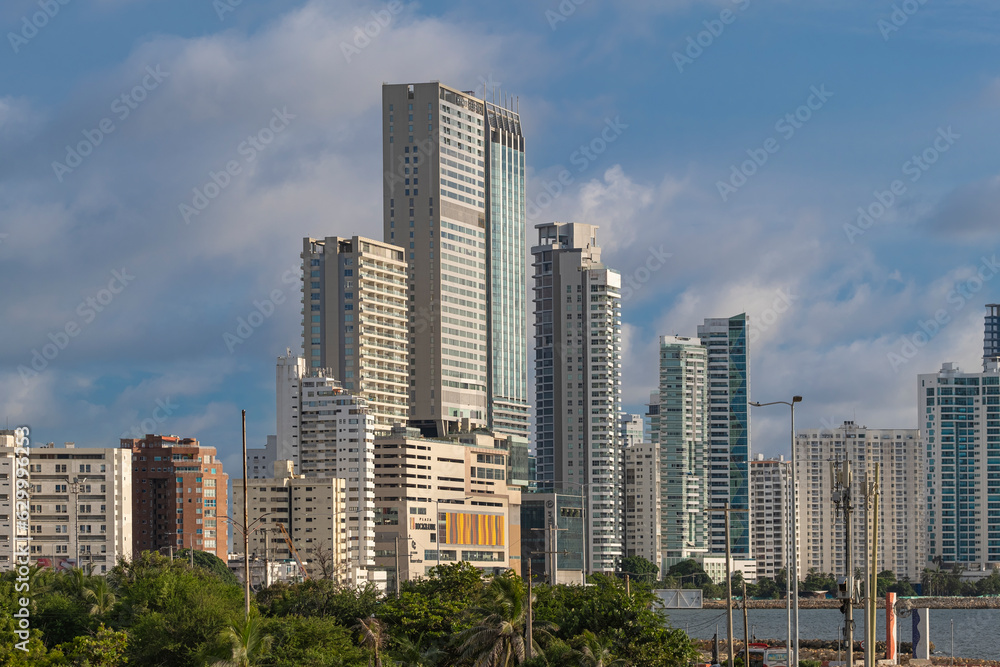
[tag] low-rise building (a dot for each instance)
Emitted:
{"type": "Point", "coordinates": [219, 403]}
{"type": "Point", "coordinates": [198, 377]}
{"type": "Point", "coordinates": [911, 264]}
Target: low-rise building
{"type": "Point", "coordinates": [439, 501]}
{"type": "Point", "coordinates": [313, 511]}
{"type": "Point", "coordinates": [80, 512]}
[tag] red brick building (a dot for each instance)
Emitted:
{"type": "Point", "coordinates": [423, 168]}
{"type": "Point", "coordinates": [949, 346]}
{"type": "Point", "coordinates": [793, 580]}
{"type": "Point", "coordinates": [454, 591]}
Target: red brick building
{"type": "Point", "coordinates": [179, 491]}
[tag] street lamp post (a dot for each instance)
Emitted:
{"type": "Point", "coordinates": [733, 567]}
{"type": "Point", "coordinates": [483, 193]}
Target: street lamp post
{"type": "Point", "coordinates": [794, 639]}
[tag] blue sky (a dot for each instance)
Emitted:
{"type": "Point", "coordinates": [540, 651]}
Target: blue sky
{"type": "Point", "coordinates": [832, 305]}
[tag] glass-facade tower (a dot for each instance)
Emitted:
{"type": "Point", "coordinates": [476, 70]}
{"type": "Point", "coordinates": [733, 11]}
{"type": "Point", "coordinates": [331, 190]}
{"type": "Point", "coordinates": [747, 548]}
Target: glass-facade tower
{"type": "Point", "coordinates": [729, 430]}
{"type": "Point", "coordinates": [505, 261]}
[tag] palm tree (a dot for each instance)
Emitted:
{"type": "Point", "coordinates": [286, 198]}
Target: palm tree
{"type": "Point", "coordinates": [246, 639]}
{"type": "Point", "coordinates": [100, 595]}
{"type": "Point", "coordinates": [411, 653]}
{"type": "Point", "coordinates": [373, 637]}
{"type": "Point", "coordinates": [596, 652]}
{"type": "Point", "coordinates": [498, 639]}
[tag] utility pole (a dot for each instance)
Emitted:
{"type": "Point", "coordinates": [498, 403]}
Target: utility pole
{"type": "Point", "coordinates": [746, 628]}
{"type": "Point", "coordinates": [840, 474]}
{"type": "Point", "coordinates": [870, 641]}
{"type": "Point", "coordinates": [267, 561]}
{"type": "Point", "coordinates": [528, 651]}
{"type": "Point", "coordinates": [397, 567]}
{"type": "Point", "coordinates": [246, 525]}
{"type": "Point", "coordinates": [552, 551]}
{"type": "Point", "coordinates": [729, 580]}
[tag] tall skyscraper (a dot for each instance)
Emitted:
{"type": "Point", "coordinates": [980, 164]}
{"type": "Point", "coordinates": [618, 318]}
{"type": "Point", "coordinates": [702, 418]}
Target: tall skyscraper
{"type": "Point", "coordinates": [354, 312]}
{"type": "Point", "coordinates": [680, 430]}
{"type": "Point", "coordinates": [960, 417]}
{"type": "Point", "coordinates": [462, 234]}
{"type": "Point", "coordinates": [991, 336]}
{"type": "Point", "coordinates": [643, 505]}
{"type": "Point", "coordinates": [728, 430]}
{"type": "Point", "coordinates": [902, 514]}
{"type": "Point", "coordinates": [578, 381]}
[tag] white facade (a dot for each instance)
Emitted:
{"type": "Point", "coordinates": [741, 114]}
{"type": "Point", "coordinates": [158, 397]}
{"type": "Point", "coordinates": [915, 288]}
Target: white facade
{"type": "Point", "coordinates": [770, 502]}
{"type": "Point", "coordinates": [260, 462]}
{"type": "Point", "coordinates": [288, 374]}
{"type": "Point", "coordinates": [642, 501]}
{"type": "Point", "coordinates": [327, 431]}
{"type": "Point", "coordinates": [81, 505]}
{"type": "Point", "coordinates": [902, 514]}
{"type": "Point", "coordinates": [960, 418]}
{"type": "Point", "coordinates": [8, 490]}
{"type": "Point", "coordinates": [578, 381]}
{"type": "Point", "coordinates": [631, 429]}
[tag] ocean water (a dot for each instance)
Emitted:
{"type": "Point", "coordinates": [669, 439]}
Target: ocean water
{"type": "Point", "coordinates": [977, 631]}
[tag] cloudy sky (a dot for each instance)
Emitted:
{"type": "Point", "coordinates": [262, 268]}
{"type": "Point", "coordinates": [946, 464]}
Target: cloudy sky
{"type": "Point", "coordinates": [728, 146]}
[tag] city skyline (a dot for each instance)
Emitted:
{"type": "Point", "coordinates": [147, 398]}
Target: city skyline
{"type": "Point", "coordinates": [177, 316]}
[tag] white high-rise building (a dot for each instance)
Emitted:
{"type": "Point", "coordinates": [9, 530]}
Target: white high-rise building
{"type": "Point", "coordinates": [680, 430]}
{"type": "Point", "coordinates": [725, 338]}
{"type": "Point", "coordinates": [770, 523]}
{"type": "Point", "coordinates": [578, 382]}
{"type": "Point", "coordinates": [631, 429]}
{"type": "Point", "coordinates": [354, 320]}
{"type": "Point", "coordinates": [959, 414]}
{"type": "Point", "coordinates": [902, 514]}
{"type": "Point", "coordinates": [327, 431]}
{"type": "Point", "coordinates": [454, 201]}
{"type": "Point", "coordinates": [642, 502]}
{"type": "Point", "coordinates": [80, 512]}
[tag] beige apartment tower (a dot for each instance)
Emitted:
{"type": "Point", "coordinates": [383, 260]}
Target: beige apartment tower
{"type": "Point", "coordinates": [354, 311]}
{"type": "Point", "coordinates": [902, 509]}
{"type": "Point", "coordinates": [453, 200]}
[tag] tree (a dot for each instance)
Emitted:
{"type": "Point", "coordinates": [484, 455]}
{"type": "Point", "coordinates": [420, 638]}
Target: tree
{"type": "Point", "coordinates": [100, 596]}
{"type": "Point", "coordinates": [818, 581]}
{"type": "Point", "coordinates": [638, 567]}
{"type": "Point", "coordinates": [885, 579]}
{"type": "Point", "coordinates": [989, 585]}
{"type": "Point", "coordinates": [498, 639]}
{"type": "Point", "coordinates": [105, 649]}
{"type": "Point", "coordinates": [320, 597]}
{"type": "Point", "coordinates": [596, 652]}
{"type": "Point", "coordinates": [373, 637]}
{"type": "Point", "coordinates": [312, 641]}
{"type": "Point", "coordinates": [765, 589]}
{"type": "Point", "coordinates": [689, 571]}
{"type": "Point", "coordinates": [324, 558]}
{"type": "Point", "coordinates": [902, 588]}
{"type": "Point", "coordinates": [246, 640]}
{"type": "Point", "coordinates": [211, 563]}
